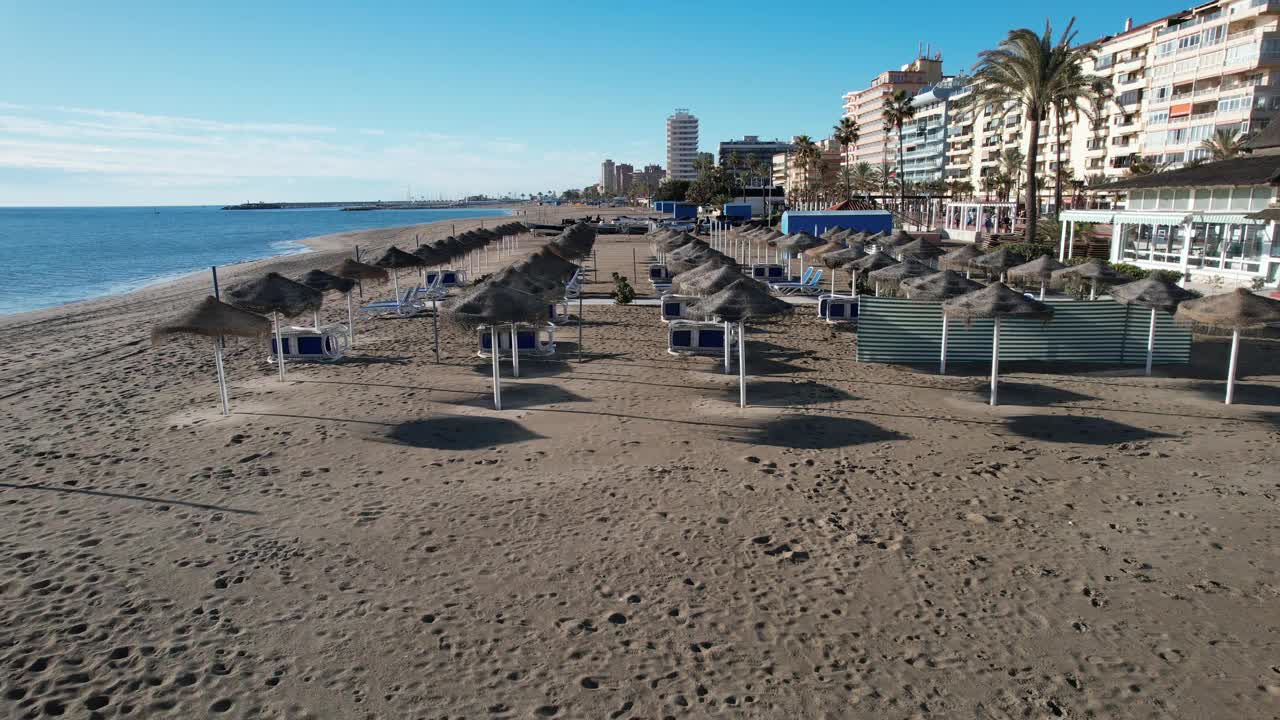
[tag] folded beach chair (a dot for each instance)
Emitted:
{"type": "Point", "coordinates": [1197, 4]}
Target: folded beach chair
{"type": "Point", "coordinates": [675, 307]}
{"type": "Point", "coordinates": [409, 304]}
{"type": "Point", "coordinates": [540, 340]}
{"type": "Point", "coordinates": [837, 308]}
{"type": "Point", "coordinates": [326, 344]}
{"type": "Point", "coordinates": [574, 286]}
{"type": "Point", "coordinates": [788, 287]}
{"type": "Point", "coordinates": [769, 272]}
{"type": "Point", "coordinates": [688, 337]}
{"type": "Point", "coordinates": [810, 288]}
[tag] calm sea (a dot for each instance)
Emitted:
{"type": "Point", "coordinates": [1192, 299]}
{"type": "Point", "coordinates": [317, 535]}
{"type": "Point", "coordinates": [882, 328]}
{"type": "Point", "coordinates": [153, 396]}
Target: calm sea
{"type": "Point", "coordinates": [52, 256]}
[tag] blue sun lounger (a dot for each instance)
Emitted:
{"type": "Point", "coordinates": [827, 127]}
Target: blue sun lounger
{"type": "Point", "coordinates": [769, 272]}
{"type": "Point", "coordinates": [540, 340]}
{"type": "Point", "coordinates": [837, 308]}
{"type": "Point", "coordinates": [808, 285]}
{"type": "Point", "coordinates": [688, 337]}
{"type": "Point", "coordinates": [410, 304]}
{"type": "Point", "coordinates": [327, 344]}
{"type": "Point", "coordinates": [675, 307]}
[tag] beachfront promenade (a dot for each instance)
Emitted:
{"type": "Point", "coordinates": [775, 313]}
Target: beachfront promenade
{"type": "Point", "coordinates": [372, 539]}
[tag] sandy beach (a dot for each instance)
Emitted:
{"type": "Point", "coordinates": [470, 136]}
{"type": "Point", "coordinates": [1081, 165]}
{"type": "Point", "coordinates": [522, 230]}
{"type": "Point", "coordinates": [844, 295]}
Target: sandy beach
{"type": "Point", "coordinates": [372, 540]}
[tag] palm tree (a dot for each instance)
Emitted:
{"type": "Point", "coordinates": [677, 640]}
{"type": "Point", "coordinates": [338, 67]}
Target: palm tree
{"type": "Point", "coordinates": [897, 110]}
{"type": "Point", "coordinates": [808, 155]}
{"type": "Point", "coordinates": [1145, 166]}
{"type": "Point", "coordinates": [1225, 144]}
{"type": "Point", "coordinates": [864, 178]}
{"type": "Point", "coordinates": [845, 132]}
{"type": "Point", "coordinates": [1010, 170]}
{"type": "Point", "coordinates": [1034, 72]}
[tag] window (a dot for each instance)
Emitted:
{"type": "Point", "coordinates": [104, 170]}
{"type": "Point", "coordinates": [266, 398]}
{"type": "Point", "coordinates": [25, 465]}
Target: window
{"type": "Point", "coordinates": [1241, 54]}
{"type": "Point", "coordinates": [1159, 117]}
{"type": "Point", "coordinates": [1200, 132]}
{"type": "Point", "coordinates": [1190, 42]}
{"type": "Point", "coordinates": [1161, 94]}
{"type": "Point", "coordinates": [1104, 61]}
{"type": "Point", "coordinates": [1161, 71]}
{"type": "Point", "coordinates": [1185, 66]}
{"type": "Point", "coordinates": [1233, 104]}
{"type": "Point", "coordinates": [1176, 136]}
{"type": "Point", "coordinates": [1213, 36]}
{"type": "Point", "coordinates": [1129, 97]}
{"type": "Point", "coordinates": [1166, 48]}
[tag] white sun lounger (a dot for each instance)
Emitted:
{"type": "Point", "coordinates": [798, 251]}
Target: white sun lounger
{"type": "Point", "coordinates": [327, 344]}
{"type": "Point", "coordinates": [539, 340]}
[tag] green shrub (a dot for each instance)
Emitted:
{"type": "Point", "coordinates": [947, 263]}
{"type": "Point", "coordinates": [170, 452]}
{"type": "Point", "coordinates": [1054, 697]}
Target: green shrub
{"type": "Point", "coordinates": [622, 293]}
{"type": "Point", "coordinates": [1031, 251]}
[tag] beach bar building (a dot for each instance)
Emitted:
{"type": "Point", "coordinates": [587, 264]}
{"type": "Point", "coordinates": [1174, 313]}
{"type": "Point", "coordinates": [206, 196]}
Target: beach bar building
{"type": "Point", "coordinates": [816, 222]}
{"type": "Point", "coordinates": [964, 221]}
{"type": "Point", "coordinates": [1212, 220]}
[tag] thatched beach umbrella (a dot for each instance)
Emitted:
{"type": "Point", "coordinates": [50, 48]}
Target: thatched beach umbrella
{"type": "Point", "coordinates": [870, 263]}
{"type": "Point", "coordinates": [996, 301]}
{"type": "Point", "coordinates": [998, 261]}
{"type": "Point", "coordinates": [1097, 272]}
{"type": "Point", "coordinates": [898, 239]}
{"type": "Point", "coordinates": [896, 273]}
{"type": "Point", "coordinates": [940, 286]}
{"type": "Point", "coordinates": [394, 259]}
{"type": "Point", "coordinates": [960, 258]}
{"type": "Point", "coordinates": [214, 319]}
{"type": "Point", "coordinates": [1237, 310]}
{"type": "Point", "coordinates": [690, 256]}
{"type": "Point", "coordinates": [923, 250]}
{"type": "Point", "coordinates": [575, 242]}
{"type": "Point", "coordinates": [1042, 267]}
{"type": "Point", "coordinates": [741, 301]}
{"type": "Point", "coordinates": [795, 244]}
{"type": "Point", "coordinates": [837, 259]}
{"type": "Point", "coordinates": [1154, 295]}
{"type": "Point", "coordinates": [494, 304]}
{"type": "Point", "coordinates": [326, 282]}
{"type": "Point", "coordinates": [276, 294]}
{"type": "Point", "coordinates": [358, 271]}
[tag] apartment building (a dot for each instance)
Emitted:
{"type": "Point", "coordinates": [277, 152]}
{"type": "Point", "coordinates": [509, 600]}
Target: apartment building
{"type": "Point", "coordinates": [866, 107]}
{"type": "Point", "coordinates": [750, 148]}
{"type": "Point", "coordinates": [801, 181]}
{"type": "Point", "coordinates": [682, 145]}
{"type": "Point", "coordinates": [608, 177]}
{"type": "Point", "coordinates": [924, 137]}
{"type": "Point", "coordinates": [1174, 81]}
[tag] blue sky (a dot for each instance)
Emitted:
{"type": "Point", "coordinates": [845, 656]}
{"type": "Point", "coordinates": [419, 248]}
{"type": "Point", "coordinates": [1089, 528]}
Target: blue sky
{"type": "Point", "coordinates": [156, 103]}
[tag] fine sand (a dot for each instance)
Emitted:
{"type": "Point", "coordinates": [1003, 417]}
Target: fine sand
{"type": "Point", "coordinates": [372, 540]}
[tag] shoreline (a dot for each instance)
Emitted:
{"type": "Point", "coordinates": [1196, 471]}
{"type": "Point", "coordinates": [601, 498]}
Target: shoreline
{"type": "Point", "coordinates": [309, 246]}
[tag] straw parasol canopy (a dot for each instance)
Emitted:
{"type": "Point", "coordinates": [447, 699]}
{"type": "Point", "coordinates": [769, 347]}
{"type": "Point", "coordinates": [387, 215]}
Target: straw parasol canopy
{"type": "Point", "coordinates": [1236, 310]}
{"type": "Point", "coordinates": [943, 285]}
{"type": "Point", "coordinates": [492, 303]}
{"type": "Point", "coordinates": [212, 318]}
{"type": "Point", "coordinates": [710, 282]}
{"type": "Point", "coordinates": [818, 251]}
{"type": "Point", "coordinates": [324, 282]}
{"type": "Point", "coordinates": [798, 242]}
{"type": "Point", "coordinates": [690, 256]}
{"type": "Point", "coordinates": [678, 280]}
{"type": "Point", "coordinates": [998, 260]}
{"type": "Point", "coordinates": [669, 244]}
{"type": "Point", "coordinates": [576, 241]}
{"type": "Point", "coordinates": [395, 258]}
{"type": "Point", "coordinates": [1042, 267]}
{"type": "Point", "coordinates": [842, 258]}
{"type": "Point", "coordinates": [874, 261]}
{"type": "Point", "coordinates": [1151, 293]}
{"type": "Point", "coordinates": [275, 293]}
{"type": "Point", "coordinates": [959, 258]}
{"type": "Point", "coordinates": [898, 272]}
{"type": "Point", "coordinates": [547, 263]}
{"type": "Point", "coordinates": [919, 249]}
{"type": "Point", "coordinates": [1095, 270]}
{"type": "Point", "coordinates": [997, 300]}
{"type": "Point", "coordinates": [897, 239]}
{"type": "Point", "coordinates": [742, 300]}
{"type": "Point", "coordinates": [354, 270]}
{"type": "Point", "coordinates": [430, 255]}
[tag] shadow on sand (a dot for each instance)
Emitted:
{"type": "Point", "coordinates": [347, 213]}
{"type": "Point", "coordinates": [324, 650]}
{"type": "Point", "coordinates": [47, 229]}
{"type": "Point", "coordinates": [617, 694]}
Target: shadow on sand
{"type": "Point", "coordinates": [1079, 429]}
{"type": "Point", "coordinates": [1029, 394]}
{"type": "Point", "coordinates": [785, 393]}
{"type": "Point", "coordinates": [521, 395]}
{"type": "Point", "coordinates": [813, 432]}
{"type": "Point", "coordinates": [459, 432]}
{"type": "Point", "coordinates": [1245, 393]}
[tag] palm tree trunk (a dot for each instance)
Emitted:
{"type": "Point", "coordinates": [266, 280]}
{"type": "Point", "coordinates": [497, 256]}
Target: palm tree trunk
{"type": "Point", "coordinates": [1033, 202]}
{"type": "Point", "coordinates": [902, 180]}
{"type": "Point", "coordinates": [1057, 177]}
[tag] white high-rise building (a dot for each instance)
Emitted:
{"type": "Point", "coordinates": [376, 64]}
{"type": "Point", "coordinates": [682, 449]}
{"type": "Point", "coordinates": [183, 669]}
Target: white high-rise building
{"type": "Point", "coordinates": [608, 177]}
{"type": "Point", "coordinates": [682, 145]}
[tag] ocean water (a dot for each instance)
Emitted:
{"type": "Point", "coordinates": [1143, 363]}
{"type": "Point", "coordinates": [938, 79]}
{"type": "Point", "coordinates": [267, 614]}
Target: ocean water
{"type": "Point", "coordinates": [52, 256]}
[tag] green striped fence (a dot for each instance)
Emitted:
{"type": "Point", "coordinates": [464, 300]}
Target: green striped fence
{"type": "Point", "coordinates": [893, 330]}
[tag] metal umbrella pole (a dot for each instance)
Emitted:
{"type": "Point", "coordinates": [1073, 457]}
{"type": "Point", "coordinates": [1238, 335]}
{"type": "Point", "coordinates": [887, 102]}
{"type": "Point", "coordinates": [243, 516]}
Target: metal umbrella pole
{"type": "Point", "coordinates": [351, 324]}
{"type": "Point", "coordinates": [742, 365]}
{"type": "Point", "coordinates": [728, 345]}
{"type": "Point", "coordinates": [942, 364]}
{"type": "Point", "coordinates": [223, 393]}
{"type": "Point", "coordinates": [435, 326]}
{"type": "Point", "coordinates": [995, 360]}
{"type": "Point", "coordinates": [1151, 340]}
{"type": "Point", "coordinates": [497, 377]}
{"type": "Point", "coordinates": [1231, 366]}
{"type": "Point", "coordinates": [515, 353]}
{"type": "Point", "coordinates": [275, 318]}
{"type": "Point", "coordinates": [580, 325]}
